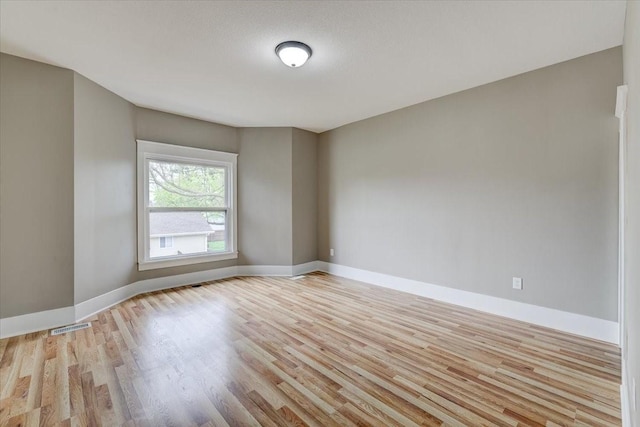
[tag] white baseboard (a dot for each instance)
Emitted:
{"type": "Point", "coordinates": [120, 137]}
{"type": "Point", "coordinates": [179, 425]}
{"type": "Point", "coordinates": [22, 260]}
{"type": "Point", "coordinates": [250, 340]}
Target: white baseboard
{"type": "Point", "coordinates": [49, 319]}
{"type": "Point", "coordinates": [305, 268]}
{"type": "Point", "coordinates": [591, 327]}
{"type": "Point", "coordinates": [94, 305]}
{"type": "Point", "coordinates": [33, 322]}
{"type": "Point", "coordinates": [625, 398]}
{"type": "Point", "coordinates": [625, 405]}
{"type": "Point", "coordinates": [264, 270]}
{"type": "Point", "coordinates": [276, 270]}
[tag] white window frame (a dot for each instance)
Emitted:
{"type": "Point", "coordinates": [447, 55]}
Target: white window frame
{"type": "Point", "coordinates": [149, 150]}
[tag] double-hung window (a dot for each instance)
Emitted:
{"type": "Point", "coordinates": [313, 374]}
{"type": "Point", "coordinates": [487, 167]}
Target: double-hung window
{"type": "Point", "coordinates": [186, 205]}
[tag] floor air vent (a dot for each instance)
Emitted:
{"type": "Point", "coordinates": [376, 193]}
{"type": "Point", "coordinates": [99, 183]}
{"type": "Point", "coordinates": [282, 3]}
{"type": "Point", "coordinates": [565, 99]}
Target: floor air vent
{"type": "Point", "coordinates": [71, 328]}
{"type": "Point", "coordinates": [298, 277]}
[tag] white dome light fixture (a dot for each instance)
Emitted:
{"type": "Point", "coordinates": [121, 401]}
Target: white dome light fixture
{"type": "Point", "coordinates": [293, 54]}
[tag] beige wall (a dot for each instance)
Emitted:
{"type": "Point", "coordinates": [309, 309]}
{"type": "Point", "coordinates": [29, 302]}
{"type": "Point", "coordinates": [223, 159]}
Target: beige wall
{"type": "Point", "coordinates": [77, 140]}
{"type": "Point", "coordinates": [514, 178]}
{"type": "Point", "coordinates": [304, 196]}
{"type": "Point", "coordinates": [264, 196]}
{"type": "Point", "coordinates": [169, 128]}
{"type": "Point", "coordinates": [36, 186]}
{"type": "Point", "coordinates": [106, 129]}
{"type": "Point", "coordinates": [157, 126]}
{"type": "Point", "coordinates": [104, 190]}
{"type": "Point", "coordinates": [632, 200]}
{"type": "Point", "coordinates": [277, 190]}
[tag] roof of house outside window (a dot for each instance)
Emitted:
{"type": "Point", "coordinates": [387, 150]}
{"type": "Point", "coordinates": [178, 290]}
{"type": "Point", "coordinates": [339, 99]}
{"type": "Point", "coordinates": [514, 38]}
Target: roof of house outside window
{"type": "Point", "coordinates": [171, 223]}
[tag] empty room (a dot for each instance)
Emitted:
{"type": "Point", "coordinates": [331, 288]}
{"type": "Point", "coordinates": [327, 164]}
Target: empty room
{"type": "Point", "coordinates": [319, 213]}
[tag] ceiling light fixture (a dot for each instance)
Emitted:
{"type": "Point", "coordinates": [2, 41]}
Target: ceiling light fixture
{"type": "Point", "coordinates": [293, 54]}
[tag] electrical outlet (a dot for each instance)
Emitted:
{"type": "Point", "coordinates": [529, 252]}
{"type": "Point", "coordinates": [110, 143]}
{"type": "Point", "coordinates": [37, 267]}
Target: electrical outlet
{"type": "Point", "coordinates": [517, 283]}
{"type": "Point", "coordinates": [331, 252]}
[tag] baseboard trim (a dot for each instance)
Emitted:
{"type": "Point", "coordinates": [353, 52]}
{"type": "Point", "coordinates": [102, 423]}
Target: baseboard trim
{"type": "Point", "coordinates": [625, 405]}
{"type": "Point", "coordinates": [33, 322]}
{"type": "Point", "coordinates": [277, 270]}
{"type": "Point", "coordinates": [305, 268]}
{"type": "Point", "coordinates": [578, 324]}
{"type": "Point", "coordinates": [591, 327]}
{"type": "Point", "coordinates": [625, 399]}
{"type": "Point", "coordinates": [264, 270]}
{"type": "Point", "coordinates": [49, 319]}
{"type": "Point", "coordinates": [97, 304]}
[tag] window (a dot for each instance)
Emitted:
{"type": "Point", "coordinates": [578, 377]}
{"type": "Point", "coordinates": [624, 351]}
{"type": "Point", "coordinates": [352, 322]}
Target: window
{"type": "Point", "coordinates": [186, 205]}
{"type": "Point", "coordinates": [166, 242]}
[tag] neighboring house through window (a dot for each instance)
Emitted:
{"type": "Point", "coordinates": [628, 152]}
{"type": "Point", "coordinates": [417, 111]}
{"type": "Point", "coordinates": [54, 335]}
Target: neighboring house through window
{"type": "Point", "coordinates": [165, 242]}
{"type": "Point", "coordinates": [186, 205]}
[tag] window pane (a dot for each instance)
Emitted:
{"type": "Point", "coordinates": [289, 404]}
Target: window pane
{"type": "Point", "coordinates": [184, 185]}
{"type": "Point", "coordinates": [166, 242]}
{"type": "Point", "coordinates": [183, 233]}
{"type": "Point", "coordinates": [217, 242]}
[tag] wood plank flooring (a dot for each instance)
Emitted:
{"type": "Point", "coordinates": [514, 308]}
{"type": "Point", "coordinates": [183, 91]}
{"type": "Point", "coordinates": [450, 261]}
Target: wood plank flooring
{"type": "Point", "coordinates": [318, 351]}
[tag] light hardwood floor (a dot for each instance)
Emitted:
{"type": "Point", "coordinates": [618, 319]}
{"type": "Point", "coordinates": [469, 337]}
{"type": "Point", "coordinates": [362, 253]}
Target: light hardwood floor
{"type": "Point", "coordinates": [317, 351]}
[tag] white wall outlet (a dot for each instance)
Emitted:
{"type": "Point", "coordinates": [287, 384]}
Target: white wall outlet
{"type": "Point", "coordinates": [517, 283]}
{"type": "Point", "coordinates": [331, 252]}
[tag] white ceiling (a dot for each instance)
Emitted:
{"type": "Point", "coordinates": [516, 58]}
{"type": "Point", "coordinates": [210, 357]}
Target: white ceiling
{"type": "Point", "coordinates": [216, 60]}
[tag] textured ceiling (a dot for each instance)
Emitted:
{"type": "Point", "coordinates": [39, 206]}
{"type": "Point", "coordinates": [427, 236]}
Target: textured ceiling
{"type": "Point", "coordinates": [216, 60]}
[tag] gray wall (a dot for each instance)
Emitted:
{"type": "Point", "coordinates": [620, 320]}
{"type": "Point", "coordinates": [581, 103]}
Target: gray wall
{"type": "Point", "coordinates": [304, 196]}
{"type": "Point", "coordinates": [277, 190]}
{"type": "Point", "coordinates": [106, 129]}
{"type": "Point", "coordinates": [169, 128]}
{"type": "Point", "coordinates": [36, 186]}
{"type": "Point", "coordinates": [172, 129]}
{"type": "Point", "coordinates": [632, 200]}
{"type": "Point", "coordinates": [264, 196]}
{"type": "Point", "coordinates": [104, 191]}
{"type": "Point", "coordinates": [514, 178]}
{"type": "Point", "coordinates": [77, 142]}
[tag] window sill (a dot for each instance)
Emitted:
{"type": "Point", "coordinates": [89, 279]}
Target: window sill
{"type": "Point", "coordinates": [177, 262]}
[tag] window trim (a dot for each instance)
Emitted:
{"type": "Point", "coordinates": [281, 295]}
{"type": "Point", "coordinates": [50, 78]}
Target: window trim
{"type": "Point", "coordinates": [149, 150]}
